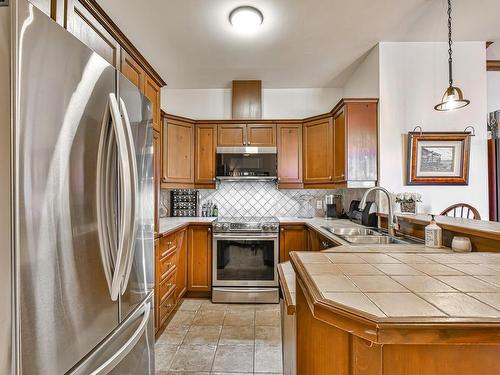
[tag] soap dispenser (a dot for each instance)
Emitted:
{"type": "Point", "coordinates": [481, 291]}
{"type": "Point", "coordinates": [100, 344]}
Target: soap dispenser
{"type": "Point", "coordinates": [433, 234]}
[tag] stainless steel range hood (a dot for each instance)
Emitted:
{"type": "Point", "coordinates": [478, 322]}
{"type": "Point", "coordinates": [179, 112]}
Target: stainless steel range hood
{"type": "Point", "coordinates": [246, 163]}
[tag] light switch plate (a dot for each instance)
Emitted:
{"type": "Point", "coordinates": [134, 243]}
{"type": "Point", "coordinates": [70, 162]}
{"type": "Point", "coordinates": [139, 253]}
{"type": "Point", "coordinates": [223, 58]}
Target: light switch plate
{"type": "Point", "coordinates": [319, 205]}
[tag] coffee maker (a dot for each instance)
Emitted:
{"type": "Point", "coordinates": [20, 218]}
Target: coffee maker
{"type": "Point", "coordinates": [331, 206]}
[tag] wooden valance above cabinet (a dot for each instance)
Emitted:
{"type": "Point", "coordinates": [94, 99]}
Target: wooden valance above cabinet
{"type": "Point", "coordinates": [335, 150]}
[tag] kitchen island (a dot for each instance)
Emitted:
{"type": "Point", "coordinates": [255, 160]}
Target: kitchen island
{"type": "Point", "coordinates": [389, 312]}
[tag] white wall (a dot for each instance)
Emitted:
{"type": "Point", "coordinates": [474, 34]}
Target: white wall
{"type": "Point", "coordinates": [413, 77]}
{"type": "Point", "coordinates": [208, 104]}
{"type": "Point", "coordinates": [364, 81]}
{"type": "Point", "coordinates": [493, 91]}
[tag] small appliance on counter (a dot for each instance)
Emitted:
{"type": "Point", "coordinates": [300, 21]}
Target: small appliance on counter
{"type": "Point", "coordinates": [331, 207]}
{"type": "Point", "coordinates": [366, 217]}
{"type": "Point", "coordinates": [183, 202]}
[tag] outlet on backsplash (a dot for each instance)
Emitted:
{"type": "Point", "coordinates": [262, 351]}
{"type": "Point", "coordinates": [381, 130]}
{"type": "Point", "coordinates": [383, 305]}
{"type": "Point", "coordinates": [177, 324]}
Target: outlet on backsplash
{"type": "Point", "coordinates": [264, 199]}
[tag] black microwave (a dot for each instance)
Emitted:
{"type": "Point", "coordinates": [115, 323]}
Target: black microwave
{"type": "Point", "coordinates": [246, 163]}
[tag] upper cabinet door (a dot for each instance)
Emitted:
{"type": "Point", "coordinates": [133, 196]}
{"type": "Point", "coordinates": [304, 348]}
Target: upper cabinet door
{"type": "Point", "coordinates": [261, 135]}
{"type": "Point", "coordinates": [289, 154]}
{"type": "Point", "coordinates": [232, 135]}
{"type": "Point", "coordinates": [82, 24]}
{"type": "Point", "coordinates": [339, 146]}
{"type": "Point", "coordinates": [205, 146]}
{"type": "Point", "coordinates": [178, 151]}
{"type": "Point", "coordinates": [152, 92]}
{"type": "Point", "coordinates": [132, 70]}
{"type": "Point", "coordinates": [362, 140]}
{"type": "Point", "coordinates": [318, 151]}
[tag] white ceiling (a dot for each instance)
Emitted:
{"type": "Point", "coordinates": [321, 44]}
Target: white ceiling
{"type": "Point", "coordinates": [302, 43]}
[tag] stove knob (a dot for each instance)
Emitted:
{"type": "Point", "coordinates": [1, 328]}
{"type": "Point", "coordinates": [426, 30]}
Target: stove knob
{"type": "Point", "coordinates": [274, 227]}
{"type": "Point", "coordinates": [217, 226]}
{"type": "Point", "coordinates": [265, 227]}
{"type": "Point", "coordinates": [225, 226]}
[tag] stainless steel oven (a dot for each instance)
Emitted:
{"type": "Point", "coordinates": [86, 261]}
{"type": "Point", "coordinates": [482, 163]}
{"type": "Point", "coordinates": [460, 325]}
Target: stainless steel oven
{"type": "Point", "coordinates": [245, 261]}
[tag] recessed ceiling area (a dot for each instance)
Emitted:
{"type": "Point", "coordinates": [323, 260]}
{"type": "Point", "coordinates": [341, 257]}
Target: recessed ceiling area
{"type": "Point", "coordinates": [301, 43]}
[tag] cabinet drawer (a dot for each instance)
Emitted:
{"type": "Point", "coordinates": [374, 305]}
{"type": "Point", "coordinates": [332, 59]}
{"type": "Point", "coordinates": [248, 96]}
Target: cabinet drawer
{"type": "Point", "coordinates": [167, 263]}
{"type": "Point", "coordinates": [167, 286]}
{"type": "Point", "coordinates": [166, 308]}
{"type": "Point", "coordinates": [167, 245]}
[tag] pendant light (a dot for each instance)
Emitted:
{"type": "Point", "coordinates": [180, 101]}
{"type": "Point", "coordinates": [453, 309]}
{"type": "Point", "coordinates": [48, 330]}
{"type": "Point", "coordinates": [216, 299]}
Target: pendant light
{"type": "Point", "coordinates": [453, 97]}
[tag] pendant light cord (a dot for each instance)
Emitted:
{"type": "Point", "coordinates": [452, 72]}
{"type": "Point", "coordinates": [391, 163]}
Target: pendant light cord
{"type": "Point", "coordinates": [450, 42]}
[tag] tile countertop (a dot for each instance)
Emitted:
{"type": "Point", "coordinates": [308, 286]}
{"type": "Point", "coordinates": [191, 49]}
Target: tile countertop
{"type": "Point", "coordinates": [402, 287]}
{"type": "Point", "coordinates": [171, 224]}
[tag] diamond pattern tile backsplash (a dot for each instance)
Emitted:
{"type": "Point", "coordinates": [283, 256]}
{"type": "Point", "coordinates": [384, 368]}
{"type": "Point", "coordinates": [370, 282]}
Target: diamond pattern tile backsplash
{"type": "Point", "coordinates": [264, 199]}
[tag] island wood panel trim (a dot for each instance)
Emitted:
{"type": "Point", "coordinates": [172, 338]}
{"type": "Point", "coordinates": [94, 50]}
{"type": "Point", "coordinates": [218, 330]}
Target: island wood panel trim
{"type": "Point", "coordinates": [287, 296]}
{"type": "Point", "coordinates": [432, 330]}
{"type": "Point", "coordinates": [481, 239]}
{"type": "Point", "coordinates": [321, 349]}
{"type": "Point", "coordinates": [96, 10]}
{"type": "Point", "coordinates": [289, 143]}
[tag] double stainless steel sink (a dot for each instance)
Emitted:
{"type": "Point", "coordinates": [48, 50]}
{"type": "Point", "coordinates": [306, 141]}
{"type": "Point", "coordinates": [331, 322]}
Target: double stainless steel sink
{"type": "Point", "coordinates": [367, 236]}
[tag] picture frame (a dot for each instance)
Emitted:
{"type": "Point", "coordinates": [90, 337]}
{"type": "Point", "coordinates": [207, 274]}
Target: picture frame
{"type": "Point", "coordinates": [438, 158]}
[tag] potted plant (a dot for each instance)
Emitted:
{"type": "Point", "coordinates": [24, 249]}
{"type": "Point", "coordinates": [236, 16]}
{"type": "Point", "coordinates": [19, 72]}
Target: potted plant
{"type": "Point", "coordinates": [408, 202]}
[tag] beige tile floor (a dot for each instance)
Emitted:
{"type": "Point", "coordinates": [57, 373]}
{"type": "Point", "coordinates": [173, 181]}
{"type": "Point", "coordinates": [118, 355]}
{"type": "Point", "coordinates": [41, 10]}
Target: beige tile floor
{"type": "Point", "coordinates": [220, 339]}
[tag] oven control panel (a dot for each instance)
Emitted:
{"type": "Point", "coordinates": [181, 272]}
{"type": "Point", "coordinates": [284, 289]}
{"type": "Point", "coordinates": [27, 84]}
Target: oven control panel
{"type": "Point", "coordinates": [243, 227]}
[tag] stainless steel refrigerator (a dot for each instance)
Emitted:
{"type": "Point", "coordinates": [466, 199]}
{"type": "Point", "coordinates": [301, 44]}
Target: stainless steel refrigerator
{"type": "Point", "coordinates": [76, 206]}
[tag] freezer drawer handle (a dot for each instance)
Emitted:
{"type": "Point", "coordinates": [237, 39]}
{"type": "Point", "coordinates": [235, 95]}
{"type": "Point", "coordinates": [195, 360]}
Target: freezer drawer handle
{"type": "Point", "coordinates": [121, 353]}
{"type": "Point", "coordinates": [131, 199]}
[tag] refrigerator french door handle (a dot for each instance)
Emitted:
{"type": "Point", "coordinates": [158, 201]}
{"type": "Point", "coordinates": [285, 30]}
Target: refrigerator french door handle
{"type": "Point", "coordinates": [133, 196]}
{"type": "Point", "coordinates": [128, 189]}
{"type": "Point", "coordinates": [121, 353]}
{"type": "Point", "coordinates": [112, 264]}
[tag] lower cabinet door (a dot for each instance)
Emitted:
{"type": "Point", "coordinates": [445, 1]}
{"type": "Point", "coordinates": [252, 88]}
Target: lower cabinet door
{"type": "Point", "coordinates": [199, 258]}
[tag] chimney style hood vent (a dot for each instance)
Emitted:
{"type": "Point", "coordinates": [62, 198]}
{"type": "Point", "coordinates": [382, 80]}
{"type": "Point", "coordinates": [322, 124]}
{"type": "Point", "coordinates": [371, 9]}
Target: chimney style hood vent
{"type": "Point", "coordinates": [247, 100]}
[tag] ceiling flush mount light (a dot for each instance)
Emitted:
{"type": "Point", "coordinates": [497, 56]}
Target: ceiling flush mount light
{"type": "Point", "coordinates": [246, 19]}
{"type": "Point", "coordinates": [453, 97]}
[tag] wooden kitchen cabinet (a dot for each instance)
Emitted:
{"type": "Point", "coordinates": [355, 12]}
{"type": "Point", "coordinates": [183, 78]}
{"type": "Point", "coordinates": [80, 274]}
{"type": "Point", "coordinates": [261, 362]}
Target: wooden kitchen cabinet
{"type": "Point", "coordinates": [178, 152]}
{"type": "Point", "coordinates": [289, 142]}
{"type": "Point", "coordinates": [232, 135]}
{"type": "Point", "coordinates": [157, 174]}
{"type": "Point", "coordinates": [361, 152]}
{"type": "Point", "coordinates": [339, 146]}
{"type": "Point", "coordinates": [182, 259]}
{"type": "Point", "coordinates": [131, 69]}
{"type": "Point", "coordinates": [256, 135]}
{"type": "Point", "coordinates": [205, 155]}
{"type": "Point", "coordinates": [165, 277]}
{"type": "Point", "coordinates": [152, 92]}
{"type": "Point", "coordinates": [318, 151]}
{"type": "Point", "coordinates": [87, 28]}
{"type": "Point", "coordinates": [261, 135]}
{"type": "Point", "coordinates": [317, 242]}
{"type": "Point", "coordinates": [199, 259]}
{"type": "Point", "coordinates": [292, 238]}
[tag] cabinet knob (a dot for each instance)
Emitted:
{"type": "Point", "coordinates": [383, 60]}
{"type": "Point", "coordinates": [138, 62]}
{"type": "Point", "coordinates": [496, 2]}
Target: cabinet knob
{"type": "Point", "coordinates": [249, 143]}
{"type": "Point", "coordinates": [329, 177]}
{"type": "Point", "coordinates": [279, 178]}
{"type": "Point", "coordinates": [282, 229]}
{"type": "Point", "coordinates": [213, 178]}
{"type": "Point", "coordinates": [209, 230]}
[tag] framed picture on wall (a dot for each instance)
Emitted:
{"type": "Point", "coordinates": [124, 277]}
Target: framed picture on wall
{"type": "Point", "coordinates": [438, 158]}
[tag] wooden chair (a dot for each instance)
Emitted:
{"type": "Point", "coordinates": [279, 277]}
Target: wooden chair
{"type": "Point", "coordinates": [461, 209]}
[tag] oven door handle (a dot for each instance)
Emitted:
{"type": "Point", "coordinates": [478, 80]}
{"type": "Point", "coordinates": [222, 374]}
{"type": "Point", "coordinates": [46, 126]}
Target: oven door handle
{"type": "Point", "coordinates": [245, 237]}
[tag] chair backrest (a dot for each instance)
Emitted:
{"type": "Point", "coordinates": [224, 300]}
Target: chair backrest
{"type": "Point", "coordinates": [462, 210]}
